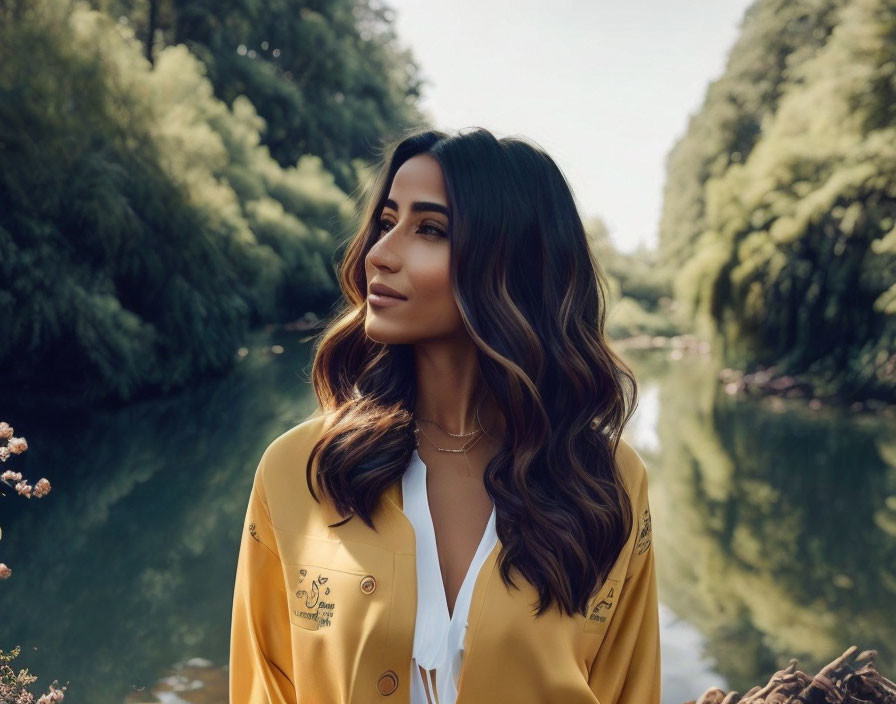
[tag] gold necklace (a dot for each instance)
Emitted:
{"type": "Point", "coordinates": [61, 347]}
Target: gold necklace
{"type": "Point", "coordinates": [445, 449]}
{"type": "Point", "coordinates": [463, 450]}
{"type": "Point", "coordinates": [458, 435]}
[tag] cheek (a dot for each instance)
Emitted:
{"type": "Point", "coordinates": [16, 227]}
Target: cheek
{"type": "Point", "coordinates": [432, 284]}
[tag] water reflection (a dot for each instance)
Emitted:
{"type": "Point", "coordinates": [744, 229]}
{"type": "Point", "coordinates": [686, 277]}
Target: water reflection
{"type": "Point", "coordinates": [774, 525]}
{"type": "Point", "coordinates": [127, 567]}
{"type": "Point", "coordinates": [775, 533]}
{"type": "Point", "coordinates": [196, 681]}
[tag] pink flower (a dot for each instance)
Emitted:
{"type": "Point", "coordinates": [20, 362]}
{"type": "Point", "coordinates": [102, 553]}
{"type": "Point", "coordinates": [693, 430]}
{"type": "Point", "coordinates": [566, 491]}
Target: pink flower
{"type": "Point", "coordinates": [42, 487]}
{"type": "Point", "coordinates": [4, 453]}
{"type": "Point", "coordinates": [5, 572]}
{"type": "Point", "coordinates": [54, 695]}
{"type": "Point", "coordinates": [17, 445]}
{"type": "Point", "coordinates": [9, 475]}
{"type": "Point", "coordinates": [24, 488]}
{"type": "Point", "coordinates": [5, 430]}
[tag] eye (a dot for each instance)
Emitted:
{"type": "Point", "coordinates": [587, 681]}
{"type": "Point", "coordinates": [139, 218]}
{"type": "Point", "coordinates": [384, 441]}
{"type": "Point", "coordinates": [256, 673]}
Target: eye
{"type": "Point", "coordinates": [429, 230]}
{"type": "Point", "coordinates": [384, 224]}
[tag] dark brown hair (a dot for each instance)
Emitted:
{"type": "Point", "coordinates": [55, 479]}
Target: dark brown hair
{"type": "Point", "coordinates": [533, 299]}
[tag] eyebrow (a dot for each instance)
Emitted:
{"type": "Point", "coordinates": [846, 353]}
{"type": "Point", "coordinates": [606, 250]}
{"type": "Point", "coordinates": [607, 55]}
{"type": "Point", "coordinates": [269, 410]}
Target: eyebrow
{"type": "Point", "coordinates": [420, 206]}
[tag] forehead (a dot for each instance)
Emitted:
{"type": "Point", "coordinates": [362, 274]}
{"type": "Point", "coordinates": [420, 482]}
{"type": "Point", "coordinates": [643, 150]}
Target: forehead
{"type": "Point", "coordinates": [421, 178]}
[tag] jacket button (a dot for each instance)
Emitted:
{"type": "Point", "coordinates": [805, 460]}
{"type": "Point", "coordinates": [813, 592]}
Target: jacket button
{"type": "Point", "coordinates": [387, 683]}
{"type": "Point", "coordinates": [368, 584]}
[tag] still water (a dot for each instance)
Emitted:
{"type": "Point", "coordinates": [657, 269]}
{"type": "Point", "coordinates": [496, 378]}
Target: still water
{"type": "Point", "coordinates": [775, 530]}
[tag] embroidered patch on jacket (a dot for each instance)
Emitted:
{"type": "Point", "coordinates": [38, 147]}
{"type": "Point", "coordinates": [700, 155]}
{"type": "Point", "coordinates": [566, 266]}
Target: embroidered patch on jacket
{"type": "Point", "coordinates": [604, 604]}
{"type": "Point", "coordinates": [322, 609]}
{"type": "Point", "coordinates": [252, 531]}
{"type": "Point", "coordinates": [644, 532]}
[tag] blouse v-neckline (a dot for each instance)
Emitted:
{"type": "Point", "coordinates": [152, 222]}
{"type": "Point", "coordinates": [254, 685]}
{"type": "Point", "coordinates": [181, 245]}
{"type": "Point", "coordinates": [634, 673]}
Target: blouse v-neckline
{"type": "Point", "coordinates": [438, 636]}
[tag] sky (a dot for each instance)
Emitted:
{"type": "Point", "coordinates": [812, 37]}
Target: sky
{"type": "Point", "coordinates": [606, 88]}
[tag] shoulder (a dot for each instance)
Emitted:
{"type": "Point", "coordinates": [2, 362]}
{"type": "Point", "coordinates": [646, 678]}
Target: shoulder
{"type": "Point", "coordinates": [283, 478]}
{"type": "Point", "coordinates": [634, 473]}
{"type": "Point", "coordinates": [286, 456]}
{"type": "Point", "coordinates": [294, 444]}
{"type": "Point", "coordinates": [632, 469]}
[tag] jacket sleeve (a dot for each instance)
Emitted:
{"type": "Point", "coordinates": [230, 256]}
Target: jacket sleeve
{"type": "Point", "coordinates": [626, 669]}
{"type": "Point", "coordinates": [260, 643]}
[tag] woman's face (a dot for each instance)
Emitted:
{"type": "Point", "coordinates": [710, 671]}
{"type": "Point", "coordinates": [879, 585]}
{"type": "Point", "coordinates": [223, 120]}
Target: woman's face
{"type": "Point", "coordinates": [412, 256]}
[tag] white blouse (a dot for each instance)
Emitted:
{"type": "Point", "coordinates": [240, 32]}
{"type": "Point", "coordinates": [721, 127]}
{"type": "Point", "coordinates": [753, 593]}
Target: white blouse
{"type": "Point", "coordinates": [438, 639]}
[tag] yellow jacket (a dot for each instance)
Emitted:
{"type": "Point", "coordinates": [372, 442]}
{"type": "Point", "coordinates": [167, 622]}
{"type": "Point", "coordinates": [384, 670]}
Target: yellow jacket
{"type": "Point", "coordinates": [326, 616]}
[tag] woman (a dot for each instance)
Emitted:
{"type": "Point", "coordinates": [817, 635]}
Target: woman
{"type": "Point", "coordinates": [469, 527]}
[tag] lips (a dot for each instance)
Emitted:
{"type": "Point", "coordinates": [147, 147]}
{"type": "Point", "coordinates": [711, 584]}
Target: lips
{"type": "Point", "coordinates": [383, 290]}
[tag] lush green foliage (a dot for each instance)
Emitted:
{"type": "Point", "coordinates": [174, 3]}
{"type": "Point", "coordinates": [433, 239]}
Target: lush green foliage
{"type": "Point", "coordinates": [143, 225]}
{"type": "Point", "coordinates": [780, 210]}
{"type": "Point", "coordinates": [329, 78]}
{"type": "Point", "coordinates": [640, 301]}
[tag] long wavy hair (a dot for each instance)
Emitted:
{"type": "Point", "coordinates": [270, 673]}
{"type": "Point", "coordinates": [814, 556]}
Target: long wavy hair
{"type": "Point", "coordinates": [533, 298]}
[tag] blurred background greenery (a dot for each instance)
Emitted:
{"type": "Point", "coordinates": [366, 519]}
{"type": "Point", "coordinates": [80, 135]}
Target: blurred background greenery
{"type": "Point", "coordinates": [170, 216]}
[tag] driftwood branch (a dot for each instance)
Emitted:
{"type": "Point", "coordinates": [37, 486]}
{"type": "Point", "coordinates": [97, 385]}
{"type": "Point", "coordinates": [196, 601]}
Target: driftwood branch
{"type": "Point", "coordinates": [844, 681]}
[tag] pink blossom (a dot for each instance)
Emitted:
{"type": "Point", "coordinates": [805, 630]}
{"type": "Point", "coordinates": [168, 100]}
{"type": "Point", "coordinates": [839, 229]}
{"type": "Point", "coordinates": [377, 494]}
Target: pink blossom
{"type": "Point", "coordinates": [9, 475]}
{"type": "Point", "coordinates": [6, 430]}
{"type": "Point", "coordinates": [17, 445]}
{"type": "Point", "coordinates": [24, 488]}
{"type": "Point", "coordinates": [54, 695]}
{"type": "Point", "coordinates": [42, 487]}
{"type": "Point", "coordinates": [5, 571]}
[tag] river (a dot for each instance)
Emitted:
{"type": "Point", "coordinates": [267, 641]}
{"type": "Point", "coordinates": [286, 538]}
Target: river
{"type": "Point", "coordinates": [774, 525]}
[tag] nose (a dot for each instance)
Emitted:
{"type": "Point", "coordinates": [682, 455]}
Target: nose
{"type": "Point", "coordinates": [382, 254]}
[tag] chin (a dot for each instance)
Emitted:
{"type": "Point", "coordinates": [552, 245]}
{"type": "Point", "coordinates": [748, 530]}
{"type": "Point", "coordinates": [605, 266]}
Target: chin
{"type": "Point", "coordinates": [376, 333]}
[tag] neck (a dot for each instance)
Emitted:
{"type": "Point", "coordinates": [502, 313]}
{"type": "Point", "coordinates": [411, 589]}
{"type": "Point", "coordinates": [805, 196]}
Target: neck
{"type": "Point", "coordinates": [450, 387]}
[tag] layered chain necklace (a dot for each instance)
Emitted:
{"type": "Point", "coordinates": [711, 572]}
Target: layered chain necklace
{"type": "Point", "coordinates": [478, 433]}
